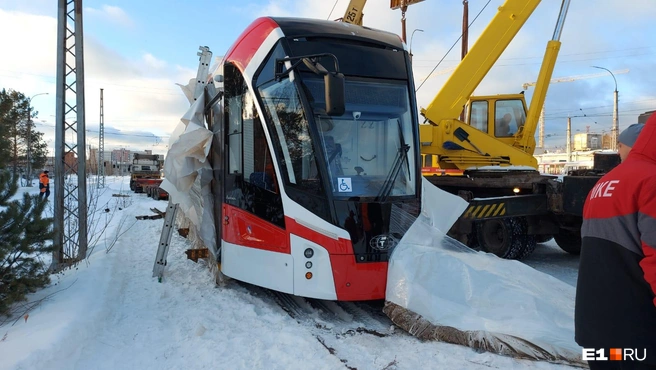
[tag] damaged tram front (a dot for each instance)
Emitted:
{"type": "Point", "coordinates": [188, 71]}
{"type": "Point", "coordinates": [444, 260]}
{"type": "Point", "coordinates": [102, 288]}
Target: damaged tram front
{"type": "Point", "coordinates": [315, 157]}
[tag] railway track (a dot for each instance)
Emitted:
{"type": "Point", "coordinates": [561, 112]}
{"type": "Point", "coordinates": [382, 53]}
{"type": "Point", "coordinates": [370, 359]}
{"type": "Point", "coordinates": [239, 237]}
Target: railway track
{"type": "Point", "coordinates": [331, 323]}
{"type": "Point", "coordinates": [341, 318]}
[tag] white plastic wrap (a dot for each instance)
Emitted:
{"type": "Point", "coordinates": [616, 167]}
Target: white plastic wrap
{"type": "Point", "coordinates": [188, 173]}
{"type": "Point", "coordinates": [451, 285]}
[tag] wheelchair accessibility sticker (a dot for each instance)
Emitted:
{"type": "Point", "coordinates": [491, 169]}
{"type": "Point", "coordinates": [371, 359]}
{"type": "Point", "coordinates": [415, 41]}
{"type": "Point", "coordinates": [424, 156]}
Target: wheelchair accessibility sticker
{"type": "Point", "coordinates": [344, 184]}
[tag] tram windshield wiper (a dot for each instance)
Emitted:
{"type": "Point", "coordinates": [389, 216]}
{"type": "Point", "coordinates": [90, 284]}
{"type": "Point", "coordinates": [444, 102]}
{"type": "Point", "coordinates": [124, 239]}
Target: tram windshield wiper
{"type": "Point", "coordinates": [401, 157]}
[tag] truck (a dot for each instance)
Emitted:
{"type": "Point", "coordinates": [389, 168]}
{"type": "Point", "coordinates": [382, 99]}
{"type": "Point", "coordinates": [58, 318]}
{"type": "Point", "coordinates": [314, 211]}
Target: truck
{"type": "Point", "coordinates": [144, 167]}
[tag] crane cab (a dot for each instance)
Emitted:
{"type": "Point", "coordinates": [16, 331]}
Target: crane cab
{"type": "Point", "coordinates": [500, 116]}
{"type": "Point", "coordinates": [315, 157]}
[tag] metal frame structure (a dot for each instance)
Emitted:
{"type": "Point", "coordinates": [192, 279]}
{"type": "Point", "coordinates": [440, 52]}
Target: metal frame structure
{"type": "Point", "coordinates": [101, 144]}
{"type": "Point", "coordinates": [70, 191]}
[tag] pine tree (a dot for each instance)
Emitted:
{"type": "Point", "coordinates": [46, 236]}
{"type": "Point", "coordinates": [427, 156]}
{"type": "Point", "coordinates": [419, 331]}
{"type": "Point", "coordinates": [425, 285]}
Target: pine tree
{"type": "Point", "coordinates": [23, 236]}
{"type": "Point", "coordinates": [17, 132]}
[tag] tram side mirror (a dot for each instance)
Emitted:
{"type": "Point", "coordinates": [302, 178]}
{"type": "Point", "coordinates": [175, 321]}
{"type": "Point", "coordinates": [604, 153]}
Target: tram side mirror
{"type": "Point", "coordinates": [334, 85]}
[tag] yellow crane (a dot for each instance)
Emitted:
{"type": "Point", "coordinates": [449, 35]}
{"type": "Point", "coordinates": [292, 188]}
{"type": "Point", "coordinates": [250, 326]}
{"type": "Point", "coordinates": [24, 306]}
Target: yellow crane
{"type": "Point", "coordinates": [563, 79]}
{"type": "Point", "coordinates": [354, 12]}
{"type": "Point", "coordinates": [491, 143]}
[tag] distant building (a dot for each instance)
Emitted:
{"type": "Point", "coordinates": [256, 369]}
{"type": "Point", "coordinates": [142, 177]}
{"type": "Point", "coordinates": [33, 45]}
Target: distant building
{"type": "Point", "coordinates": [643, 117]}
{"type": "Point", "coordinates": [560, 163]}
{"type": "Point", "coordinates": [69, 158]}
{"type": "Point", "coordinates": [70, 161]}
{"type": "Point", "coordinates": [588, 141]}
{"type": "Point", "coordinates": [120, 155]}
{"type": "Point", "coordinates": [95, 160]}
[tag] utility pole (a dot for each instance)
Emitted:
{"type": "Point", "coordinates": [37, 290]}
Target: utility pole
{"type": "Point", "coordinates": [569, 139]}
{"type": "Point", "coordinates": [464, 46]}
{"type": "Point", "coordinates": [70, 216]}
{"type": "Point", "coordinates": [614, 135]}
{"type": "Point", "coordinates": [101, 144]}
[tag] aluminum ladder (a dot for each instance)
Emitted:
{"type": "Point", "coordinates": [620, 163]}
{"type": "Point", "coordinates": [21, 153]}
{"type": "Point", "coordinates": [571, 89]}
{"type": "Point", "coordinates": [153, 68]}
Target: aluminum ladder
{"type": "Point", "coordinates": [172, 209]}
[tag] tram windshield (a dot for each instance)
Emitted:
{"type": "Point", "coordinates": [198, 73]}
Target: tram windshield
{"type": "Point", "coordinates": [367, 152]}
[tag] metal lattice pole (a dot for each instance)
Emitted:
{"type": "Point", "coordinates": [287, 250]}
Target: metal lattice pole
{"type": "Point", "coordinates": [615, 131]}
{"type": "Point", "coordinates": [101, 144]}
{"type": "Point", "coordinates": [70, 191]}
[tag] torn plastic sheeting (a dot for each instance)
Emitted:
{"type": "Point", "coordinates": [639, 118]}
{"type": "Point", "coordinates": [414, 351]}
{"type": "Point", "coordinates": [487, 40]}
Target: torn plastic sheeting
{"type": "Point", "coordinates": [188, 173]}
{"type": "Point", "coordinates": [440, 289]}
{"type": "Point", "coordinates": [187, 154]}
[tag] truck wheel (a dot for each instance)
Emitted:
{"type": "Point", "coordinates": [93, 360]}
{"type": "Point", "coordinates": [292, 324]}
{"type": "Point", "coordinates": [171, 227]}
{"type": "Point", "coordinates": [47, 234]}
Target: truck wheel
{"type": "Point", "coordinates": [506, 237]}
{"type": "Point", "coordinates": [569, 241]}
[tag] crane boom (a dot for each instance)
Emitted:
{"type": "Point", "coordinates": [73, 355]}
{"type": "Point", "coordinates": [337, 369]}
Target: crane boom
{"type": "Point", "coordinates": [509, 19]}
{"type": "Point", "coordinates": [526, 137]}
{"type": "Point", "coordinates": [354, 13]}
{"type": "Point", "coordinates": [500, 125]}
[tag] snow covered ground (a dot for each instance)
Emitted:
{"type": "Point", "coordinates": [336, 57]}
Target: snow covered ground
{"type": "Point", "coordinates": [110, 313]}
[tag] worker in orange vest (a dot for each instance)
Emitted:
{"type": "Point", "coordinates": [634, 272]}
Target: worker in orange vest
{"type": "Point", "coordinates": [44, 184]}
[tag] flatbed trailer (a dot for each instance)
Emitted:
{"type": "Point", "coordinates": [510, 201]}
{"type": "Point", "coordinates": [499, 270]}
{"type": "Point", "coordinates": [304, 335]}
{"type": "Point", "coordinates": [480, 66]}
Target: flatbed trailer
{"type": "Point", "coordinates": [510, 212]}
{"type": "Point", "coordinates": [156, 192]}
{"type": "Point", "coordinates": [139, 184]}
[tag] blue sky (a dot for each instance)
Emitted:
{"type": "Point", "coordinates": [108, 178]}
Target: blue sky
{"type": "Point", "coordinates": [137, 50]}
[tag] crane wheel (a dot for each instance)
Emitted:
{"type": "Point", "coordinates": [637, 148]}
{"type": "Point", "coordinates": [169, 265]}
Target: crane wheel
{"type": "Point", "coordinates": [506, 237]}
{"type": "Point", "coordinates": [569, 241]}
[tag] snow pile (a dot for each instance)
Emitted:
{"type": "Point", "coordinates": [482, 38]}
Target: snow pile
{"type": "Point", "coordinates": [441, 289]}
{"type": "Point", "coordinates": [110, 313]}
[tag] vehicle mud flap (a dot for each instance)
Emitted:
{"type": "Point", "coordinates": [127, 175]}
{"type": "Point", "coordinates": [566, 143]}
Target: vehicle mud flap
{"type": "Point", "coordinates": [498, 343]}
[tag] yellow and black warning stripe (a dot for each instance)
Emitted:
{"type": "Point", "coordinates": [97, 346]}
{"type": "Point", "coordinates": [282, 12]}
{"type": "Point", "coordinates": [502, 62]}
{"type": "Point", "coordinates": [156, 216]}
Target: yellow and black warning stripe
{"type": "Point", "coordinates": [485, 210]}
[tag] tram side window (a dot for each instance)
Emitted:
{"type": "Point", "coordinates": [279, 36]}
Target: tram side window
{"type": "Point", "coordinates": [258, 166]}
{"type": "Point", "coordinates": [234, 105]}
{"type": "Point", "coordinates": [250, 178]}
{"type": "Point", "coordinates": [290, 127]}
{"type": "Point", "coordinates": [248, 150]}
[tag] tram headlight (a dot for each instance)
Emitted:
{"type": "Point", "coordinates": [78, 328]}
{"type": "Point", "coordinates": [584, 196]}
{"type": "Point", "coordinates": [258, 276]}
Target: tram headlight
{"type": "Point", "coordinates": [308, 264]}
{"type": "Point", "coordinates": [308, 253]}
